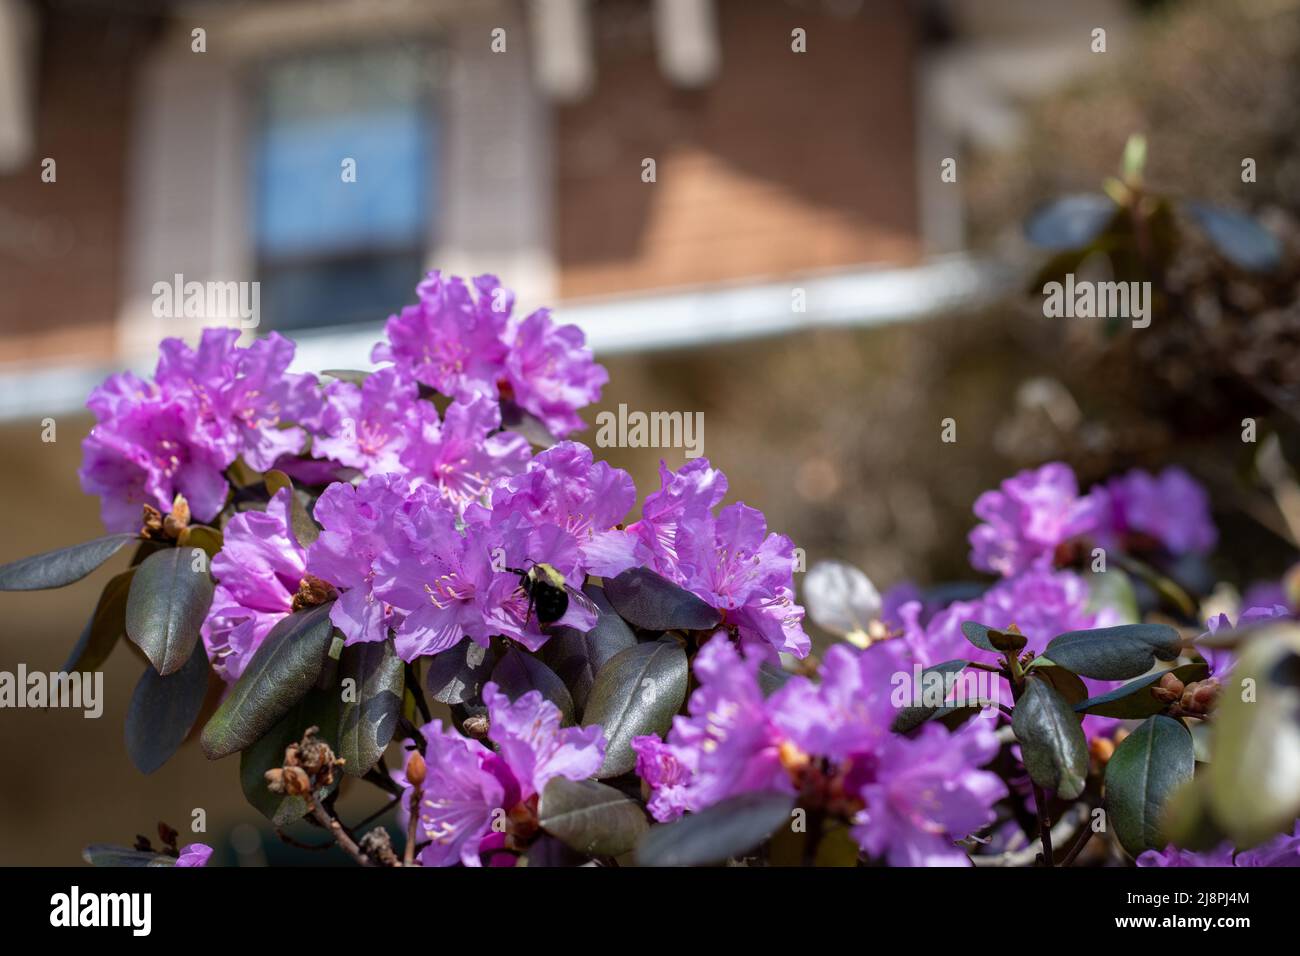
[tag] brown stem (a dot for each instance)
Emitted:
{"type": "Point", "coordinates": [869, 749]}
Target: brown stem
{"type": "Point", "coordinates": [1084, 836]}
{"type": "Point", "coordinates": [1044, 824]}
{"type": "Point", "coordinates": [335, 829]}
{"type": "Point", "coordinates": [408, 855]}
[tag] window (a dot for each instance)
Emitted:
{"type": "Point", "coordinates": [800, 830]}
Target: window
{"type": "Point", "coordinates": [332, 251]}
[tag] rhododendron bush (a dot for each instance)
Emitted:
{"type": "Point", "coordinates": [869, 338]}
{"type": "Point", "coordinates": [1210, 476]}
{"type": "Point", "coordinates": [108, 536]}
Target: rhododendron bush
{"type": "Point", "coordinates": [412, 579]}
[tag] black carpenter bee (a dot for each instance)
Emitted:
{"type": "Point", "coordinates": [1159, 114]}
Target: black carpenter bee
{"type": "Point", "coordinates": [549, 593]}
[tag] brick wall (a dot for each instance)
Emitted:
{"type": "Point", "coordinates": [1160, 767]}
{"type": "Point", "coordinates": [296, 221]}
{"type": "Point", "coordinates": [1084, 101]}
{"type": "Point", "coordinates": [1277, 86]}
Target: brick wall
{"type": "Point", "coordinates": [787, 162]}
{"type": "Point", "coordinates": [61, 242]}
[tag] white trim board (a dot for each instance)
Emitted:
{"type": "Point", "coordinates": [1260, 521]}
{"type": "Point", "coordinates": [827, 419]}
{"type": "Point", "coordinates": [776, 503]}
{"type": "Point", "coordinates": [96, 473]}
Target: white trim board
{"type": "Point", "coordinates": [676, 319]}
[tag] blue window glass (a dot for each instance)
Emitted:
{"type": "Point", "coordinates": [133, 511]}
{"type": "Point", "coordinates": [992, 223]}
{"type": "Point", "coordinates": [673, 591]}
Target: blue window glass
{"type": "Point", "coordinates": [332, 251]}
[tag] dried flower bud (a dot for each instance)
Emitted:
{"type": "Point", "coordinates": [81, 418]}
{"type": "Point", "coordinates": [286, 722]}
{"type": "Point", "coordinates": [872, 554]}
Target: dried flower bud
{"type": "Point", "coordinates": [312, 591]}
{"type": "Point", "coordinates": [415, 769]}
{"type": "Point", "coordinates": [153, 522]}
{"type": "Point", "coordinates": [296, 782]}
{"type": "Point", "coordinates": [274, 780]}
{"type": "Point", "coordinates": [167, 834]}
{"type": "Point", "coordinates": [378, 845]}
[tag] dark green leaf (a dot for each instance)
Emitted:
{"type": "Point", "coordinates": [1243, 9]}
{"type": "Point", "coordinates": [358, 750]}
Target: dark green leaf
{"type": "Point", "coordinates": [1071, 221]}
{"type": "Point", "coordinates": [319, 708]}
{"type": "Point", "coordinates": [201, 536]}
{"type": "Point", "coordinates": [1051, 739]}
{"type": "Point", "coordinates": [1114, 653]}
{"type": "Point", "coordinates": [1239, 238]}
{"type": "Point", "coordinates": [590, 817]}
{"type": "Point", "coordinates": [1148, 766]}
{"type": "Point", "coordinates": [370, 705]}
{"type": "Point", "coordinates": [772, 677]}
{"type": "Point", "coordinates": [458, 673]}
{"type": "Point", "coordinates": [305, 529]}
{"type": "Point", "coordinates": [282, 670]}
{"type": "Point", "coordinates": [168, 602]}
{"type": "Point", "coordinates": [1064, 682]}
{"type": "Point", "coordinates": [577, 657]}
{"type": "Point", "coordinates": [163, 711]}
{"type": "Point", "coordinates": [651, 602]}
{"type": "Point", "coordinates": [518, 672]}
{"type": "Point", "coordinates": [1134, 699]}
{"type": "Point", "coordinates": [54, 569]}
{"type": "Point", "coordinates": [918, 712]}
{"type": "Point", "coordinates": [515, 419]}
{"type": "Point", "coordinates": [636, 693]}
{"type": "Point", "coordinates": [721, 832]}
{"type": "Point", "coordinates": [107, 854]}
{"type": "Point", "coordinates": [105, 627]}
{"type": "Point", "coordinates": [991, 639]}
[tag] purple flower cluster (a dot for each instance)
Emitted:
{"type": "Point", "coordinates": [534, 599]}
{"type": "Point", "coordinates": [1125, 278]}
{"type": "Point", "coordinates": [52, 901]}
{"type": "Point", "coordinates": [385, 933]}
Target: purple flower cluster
{"type": "Point", "coordinates": [177, 433]}
{"type": "Point", "coordinates": [258, 570]}
{"type": "Point", "coordinates": [1281, 850]}
{"type": "Point", "coordinates": [405, 558]}
{"type": "Point", "coordinates": [383, 427]}
{"type": "Point", "coordinates": [1026, 519]}
{"type": "Point", "coordinates": [726, 556]}
{"type": "Point", "coordinates": [909, 798]}
{"type": "Point", "coordinates": [465, 343]}
{"type": "Point", "coordinates": [470, 793]}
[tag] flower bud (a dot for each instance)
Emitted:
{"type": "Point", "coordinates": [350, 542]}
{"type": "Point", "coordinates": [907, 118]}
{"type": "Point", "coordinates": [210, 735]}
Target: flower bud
{"type": "Point", "coordinates": [1101, 749]}
{"type": "Point", "coordinates": [1169, 689]}
{"type": "Point", "coordinates": [415, 769]}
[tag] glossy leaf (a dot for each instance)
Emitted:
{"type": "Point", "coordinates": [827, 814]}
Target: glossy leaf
{"type": "Point", "coordinates": [1134, 700]}
{"type": "Point", "coordinates": [918, 712]}
{"type": "Point", "coordinates": [653, 603]}
{"type": "Point", "coordinates": [516, 419]}
{"type": "Point", "coordinates": [591, 817]}
{"type": "Point", "coordinates": [319, 708]}
{"type": "Point", "coordinates": [108, 854]}
{"type": "Point", "coordinates": [726, 830]}
{"type": "Point", "coordinates": [163, 711]}
{"type": "Point", "coordinates": [54, 569]}
{"type": "Point", "coordinates": [1114, 653]}
{"type": "Point", "coordinates": [1064, 682]}
{"type": "Point", "coordinates": [459, 673]}
{"type": "Point", "coordinates": [577, 657]}
{"type": "Point", "coordinates": [305, 529]}
{"type": "Point", "coordinates": [991, 639]}
{"type": "Point", "coordinates": [283, 669]}
{"type": "Point", "coordinates": [202, 536]}
{"type": "Point", "coordinates": [169, 599]}
{"type": "Point", "coordinates": [105, 627]}
{"type": "Point", "coordinates": [370, 705]}
{"type": "Point", "coordinates": [1238, 238]}
{"type": "Point", "coordinates": [637, 692]}
{"type": "Point", "coordinates": [517, 673]}
{"type": "Point", "coordinates": [1145, 769]}
{"type": "Point", "coordinates": [1071, 221]}
{"type": "Point", "coordinates": [1051, 739]}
